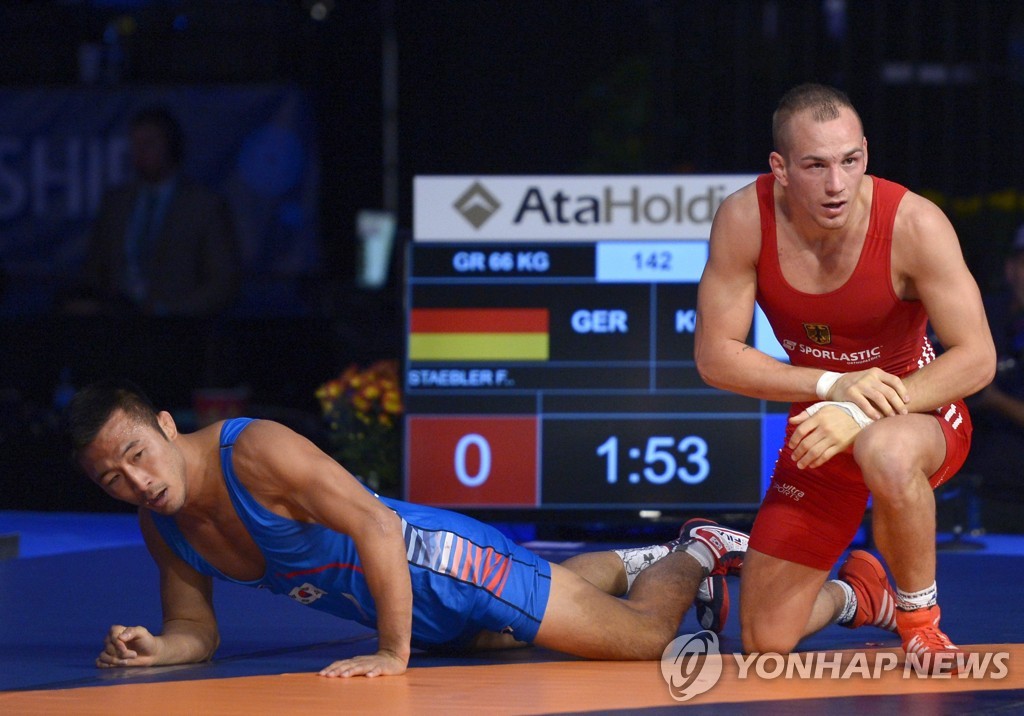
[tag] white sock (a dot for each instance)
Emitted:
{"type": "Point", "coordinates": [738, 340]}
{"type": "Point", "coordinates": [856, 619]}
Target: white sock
{"type": "Point", "coordinates": [850, 606]}
{"type": "Point", "coordinates": [909, 601]}
{"type": "Point", "coordinates": [638, 559]}
{"type": "Point", "coordinates": [702, 553]}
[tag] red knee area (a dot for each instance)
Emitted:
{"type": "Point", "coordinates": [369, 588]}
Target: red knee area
{"type": "Point", "coordinates": [811, 516]}
{"type": "Point", "coordinates": [957, 428]}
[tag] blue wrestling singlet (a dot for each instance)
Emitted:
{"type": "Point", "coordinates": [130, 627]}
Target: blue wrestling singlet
{"type": "Point", "coordinates": [466, 576]}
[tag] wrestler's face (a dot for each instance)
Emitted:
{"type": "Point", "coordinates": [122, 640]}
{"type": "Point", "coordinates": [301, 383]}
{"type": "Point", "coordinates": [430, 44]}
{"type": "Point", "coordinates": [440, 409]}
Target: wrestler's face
{"type": "Point", "coordinates": [136, 463]}
{"type": "Point", "coordinates": [822, 167]}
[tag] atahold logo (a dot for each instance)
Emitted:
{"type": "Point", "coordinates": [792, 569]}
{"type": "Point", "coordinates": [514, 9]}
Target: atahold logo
{"type": "Point", "coordinates": [477, 205]}
{"type": "Point", "coordinates": [691, 664]}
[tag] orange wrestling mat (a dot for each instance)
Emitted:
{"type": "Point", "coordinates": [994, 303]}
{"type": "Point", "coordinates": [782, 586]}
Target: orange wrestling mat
{"type": "Point", "coordinates": [531, 688]}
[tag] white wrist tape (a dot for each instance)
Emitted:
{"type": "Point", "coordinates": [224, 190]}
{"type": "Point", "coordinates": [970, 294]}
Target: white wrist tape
{"type": "Point", "coordinates": [851, 409]}
{"type": "Point", "coordinates": [825, 383]}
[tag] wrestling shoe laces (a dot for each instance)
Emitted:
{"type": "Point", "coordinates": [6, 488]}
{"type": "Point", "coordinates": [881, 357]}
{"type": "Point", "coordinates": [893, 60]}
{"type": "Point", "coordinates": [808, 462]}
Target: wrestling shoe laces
{"type": "Point", "coordinates": [876, 600]}
{"type": "Point", "coordinates": [728, 546]}
{"type": "Point", "coordinates": [919, 630]}
{"type": "Point", "coordinates": [712, 603]}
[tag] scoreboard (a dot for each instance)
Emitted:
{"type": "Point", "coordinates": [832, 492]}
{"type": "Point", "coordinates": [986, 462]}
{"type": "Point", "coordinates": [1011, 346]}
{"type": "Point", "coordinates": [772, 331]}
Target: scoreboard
{"type": "Point", "coordinates": [550, 336]}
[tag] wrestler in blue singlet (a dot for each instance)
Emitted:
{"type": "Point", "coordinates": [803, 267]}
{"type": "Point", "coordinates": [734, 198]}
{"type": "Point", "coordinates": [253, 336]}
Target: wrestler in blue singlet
{"type": "Point", "coordinates": [466, 576]}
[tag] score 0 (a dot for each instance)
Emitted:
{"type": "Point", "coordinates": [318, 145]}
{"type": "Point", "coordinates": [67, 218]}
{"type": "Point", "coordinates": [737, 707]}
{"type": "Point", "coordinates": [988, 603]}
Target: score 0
{"type": "Point", "coordinates": [472, 460]}
{"type": "Point", "coordinates": [483, 452]}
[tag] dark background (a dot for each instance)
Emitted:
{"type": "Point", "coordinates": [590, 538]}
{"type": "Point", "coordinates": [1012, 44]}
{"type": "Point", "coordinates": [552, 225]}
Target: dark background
{"type": "Point", "coordinates": [521, 87]}
{"type": "Point", "coordinates": [557, 86]}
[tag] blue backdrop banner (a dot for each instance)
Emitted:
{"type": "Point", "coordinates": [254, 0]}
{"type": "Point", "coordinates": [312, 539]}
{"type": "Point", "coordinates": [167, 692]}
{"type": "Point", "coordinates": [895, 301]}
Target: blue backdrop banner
{"type": "Point", "coordinates": [61, 148]}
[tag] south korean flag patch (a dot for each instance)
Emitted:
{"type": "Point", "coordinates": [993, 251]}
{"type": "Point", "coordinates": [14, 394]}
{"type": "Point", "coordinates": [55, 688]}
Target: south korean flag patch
{"type": "Point", "coordinates": [306, 594]}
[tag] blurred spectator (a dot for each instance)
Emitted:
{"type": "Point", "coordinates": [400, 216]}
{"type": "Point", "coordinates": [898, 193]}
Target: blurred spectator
{"type": "Point", "coordinates": [997, 451]}
{"type": "Point", "coordinates": [161, 245]}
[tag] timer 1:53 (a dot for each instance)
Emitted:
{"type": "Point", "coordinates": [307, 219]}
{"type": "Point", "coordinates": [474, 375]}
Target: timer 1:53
{"type": "Point", "coordinates": [663, 458]}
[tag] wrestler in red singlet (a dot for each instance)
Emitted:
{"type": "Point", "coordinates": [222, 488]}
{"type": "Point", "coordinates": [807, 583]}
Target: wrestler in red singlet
{"type": "Point", "coordinates": [860, 325]}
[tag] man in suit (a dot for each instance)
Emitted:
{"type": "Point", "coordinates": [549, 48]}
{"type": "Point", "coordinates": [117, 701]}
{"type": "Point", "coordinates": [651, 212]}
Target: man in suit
{"type": "Point", "coordinates": [161, 245]}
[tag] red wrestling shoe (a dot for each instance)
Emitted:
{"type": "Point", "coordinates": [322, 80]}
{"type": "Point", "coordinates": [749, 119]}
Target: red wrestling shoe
{"type": "Point", "coordinates": [926, 644]}
{"type": "Point", "coordinates": [876, 600]}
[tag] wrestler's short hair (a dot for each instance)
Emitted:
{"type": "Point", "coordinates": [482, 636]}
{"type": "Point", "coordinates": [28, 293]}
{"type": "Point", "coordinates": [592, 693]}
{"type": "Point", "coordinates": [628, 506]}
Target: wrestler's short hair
{"type": "Point", "coordinates": [92, 406]}
{"type": "Point", "coordinates": [823, 101]}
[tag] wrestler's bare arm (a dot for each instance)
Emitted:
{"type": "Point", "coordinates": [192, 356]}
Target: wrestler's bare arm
{"type": "Point", "coordinates": [292, 476]}
{"type": "Point", "coordinates": [927, 257]}
{"type": "Point", "coordinates": [189, 625]}
{"type": "Point", "coordinates": [725, 309]}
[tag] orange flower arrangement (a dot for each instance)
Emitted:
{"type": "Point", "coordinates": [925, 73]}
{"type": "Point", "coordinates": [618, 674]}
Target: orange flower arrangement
{"type": "Point", "coordinates": [363, 409]}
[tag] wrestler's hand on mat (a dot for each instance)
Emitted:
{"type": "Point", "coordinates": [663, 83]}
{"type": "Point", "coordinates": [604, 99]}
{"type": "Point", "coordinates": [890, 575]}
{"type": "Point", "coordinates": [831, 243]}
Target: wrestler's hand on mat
{"type": "Point", "coordinates": [383, 663]}
{"type": "Point", "coordinates": [877, 393]}
{"type": "Point", "coordinates": [821, 436]}
{"type": "Point", "coordinates": [127, 646]}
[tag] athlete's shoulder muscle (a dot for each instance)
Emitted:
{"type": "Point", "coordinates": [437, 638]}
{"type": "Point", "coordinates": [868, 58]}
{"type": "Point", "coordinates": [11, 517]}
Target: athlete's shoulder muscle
{"type": "Point", "coordinates": [736, 229]}
{"type": "Point", "coordinates": [924, 240]}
